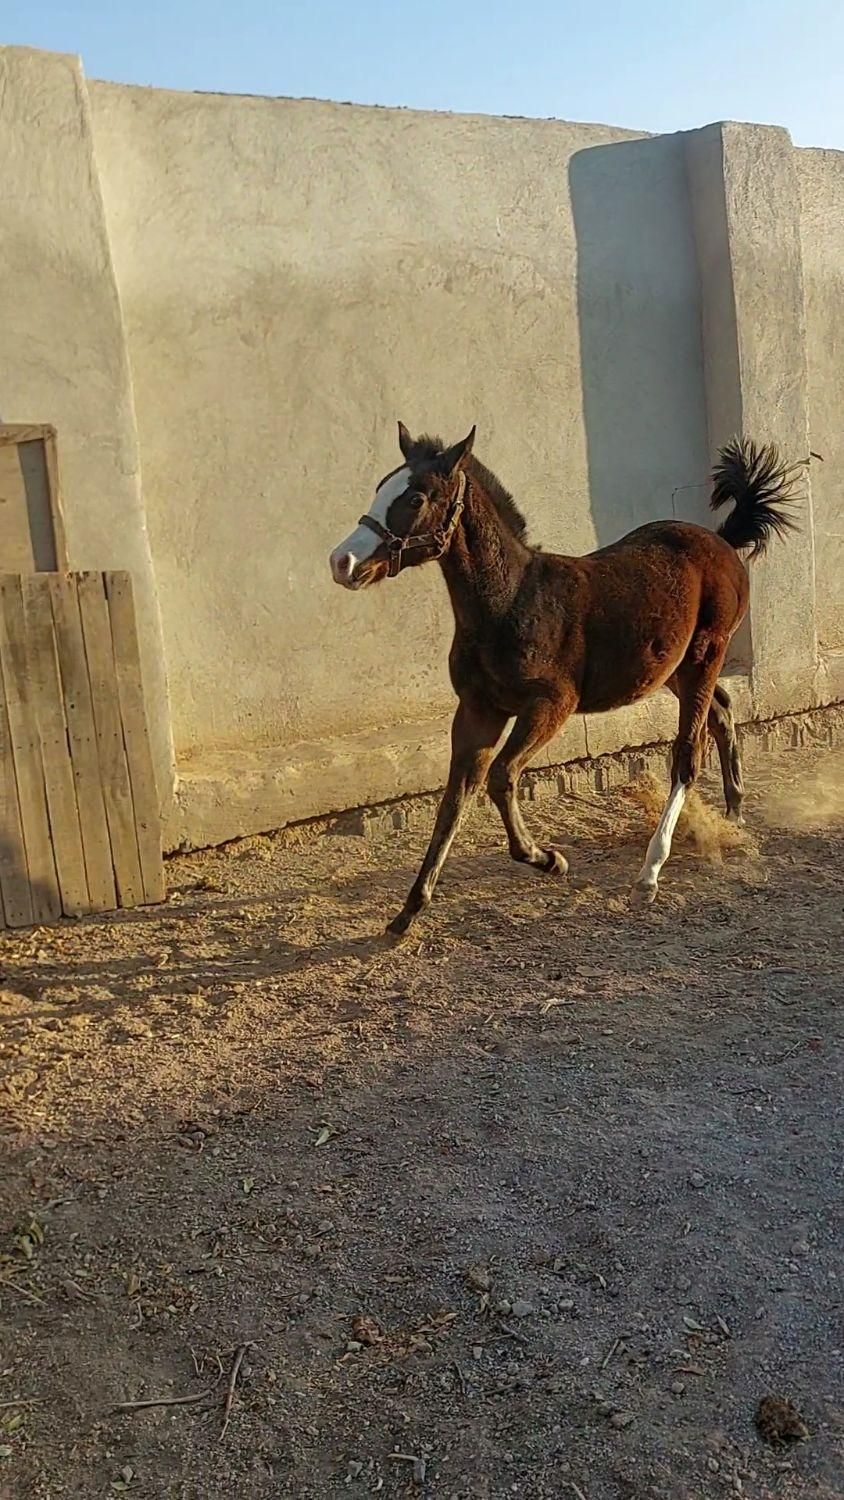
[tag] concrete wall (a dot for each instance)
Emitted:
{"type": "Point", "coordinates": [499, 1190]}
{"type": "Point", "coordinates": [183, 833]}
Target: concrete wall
{"type": "Point", "coordinates": [821, 178]}
{"type": "Point", "coordinates": [294, 276]}
{"type": "Point", "coordinates": [297, 275]}
{"type": "Point", "coordinates": [63, 355]}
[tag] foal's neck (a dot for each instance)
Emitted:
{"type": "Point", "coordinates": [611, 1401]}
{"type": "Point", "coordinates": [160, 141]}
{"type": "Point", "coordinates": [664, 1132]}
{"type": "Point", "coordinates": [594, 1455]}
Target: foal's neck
{"type": "Point", "coordinates": [485, 562]}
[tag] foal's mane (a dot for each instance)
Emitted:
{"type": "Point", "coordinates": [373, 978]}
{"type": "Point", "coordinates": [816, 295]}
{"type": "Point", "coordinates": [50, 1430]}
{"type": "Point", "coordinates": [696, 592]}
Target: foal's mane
{"type": "Point", "coordinates": [429, 448]}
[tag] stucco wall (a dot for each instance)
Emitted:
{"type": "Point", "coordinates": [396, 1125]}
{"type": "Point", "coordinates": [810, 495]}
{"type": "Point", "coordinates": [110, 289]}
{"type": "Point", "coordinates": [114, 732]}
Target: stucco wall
{"type": "Point", "coordinates": [294, 277]}
{"type": "Point", "coordinates": [62, 351]}
{"type": "Point", "coordinates": [821, 177]}
{"type": "Point", "coordinates": [225, 303]}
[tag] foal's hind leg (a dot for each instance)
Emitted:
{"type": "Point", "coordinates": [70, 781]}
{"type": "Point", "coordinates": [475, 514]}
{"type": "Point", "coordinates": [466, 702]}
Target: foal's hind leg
{"type": "Point", "coordinates": [694, 684]}
{"type": "Point", "coordinates": [530, 732]}
{"type": "Point", "coordinates": [475, 733]}
{"type": "Point", "coordinates": [723, 730]}
{"type": "Point", "coordinates": [721, 726]}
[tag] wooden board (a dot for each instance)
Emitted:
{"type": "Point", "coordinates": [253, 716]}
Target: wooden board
{"type": "Point", "coordinates": [14, 874]}
{"type": "Point", "coordinates": [127, 662]}
{"type": "Point", "coordinates": [46, 686]}
{"type": "Point", "coordinates": [29, 775]}
{"type": "Point", "coordinates": [31, 522]}
{"type": "Point", "coordinates": [79, 714]}
{"type": "Point", "coordinates": [79, 820]}
{"type": "Point", "coordinates": [114, 772]}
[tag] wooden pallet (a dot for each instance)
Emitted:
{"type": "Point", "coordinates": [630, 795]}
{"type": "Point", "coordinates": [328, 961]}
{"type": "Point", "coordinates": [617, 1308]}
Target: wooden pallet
{"type": "Point", "coordinates": [79, 819]}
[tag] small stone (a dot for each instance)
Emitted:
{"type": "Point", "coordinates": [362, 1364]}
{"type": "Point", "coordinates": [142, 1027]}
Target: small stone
{"type": "Point", "coordinates": [678, 1387]}
{"type": "Point", "coordinates": [713, 1465]}
{"type": "Point", "coordinates": [778, 1421]}
{"type": "Point", "coordinates": [565, 1304]}
{"type": "Point", "coordinates": [504, 1308]}
{"type": "Point", "coordinates": [479, 1278]}
{"type": "Point", "coordinates": [802, 1247]}
{"type": "Point", "coordinates": [620, 1419]}
{"type": "Point", "coordinates": [353, 1346]}
{"type": "Point", "coordinates": [522, 1308]}
{"type": "Point", "coordinates": [355, 1469]}
{"type": "Point", "coordinates": [477, 1351]}
{"type": "Point", "coordinates": [697, 1179]}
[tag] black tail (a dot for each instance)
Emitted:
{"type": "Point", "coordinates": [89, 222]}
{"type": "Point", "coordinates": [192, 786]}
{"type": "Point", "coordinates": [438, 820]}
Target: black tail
{"type": "Point", "coordinates": [761, 487]}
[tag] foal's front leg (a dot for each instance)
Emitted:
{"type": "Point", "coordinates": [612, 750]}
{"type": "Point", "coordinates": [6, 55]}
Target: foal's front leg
{"type": "Point", "coordinates": [531, 731]}
{"type": "Point", "coordinates": [474, 736]}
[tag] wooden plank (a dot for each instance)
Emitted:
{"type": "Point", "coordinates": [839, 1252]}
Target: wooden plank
{"type": "Point", "coordinates": [25, 432]}
{"type": "Point", "coordinates": [127, 662]}
{"type": "Point", "coordinates": [26, 751]}
{"type": "Point", "coordinates": [47, 696]}
{"type": "Point", "coordinates": [16, 546]}
{"type": "Point", "coordinates": [51, 459]}
{"type": "Point", "coordinates": [114, 771]}
{"type": "Point", "coordinates": [79, 714]}
{"type": "Point", "coordinates": [14, 876]}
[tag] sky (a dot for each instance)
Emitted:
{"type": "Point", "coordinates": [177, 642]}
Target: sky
{"type": "Point", "coordinates": [649, 66]}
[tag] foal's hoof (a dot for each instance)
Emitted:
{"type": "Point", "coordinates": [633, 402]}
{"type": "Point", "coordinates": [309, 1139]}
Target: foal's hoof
{"type": "Point", "coordinates": [401, 924]}
{"type": "Point", "coordinates": [643, 893]}
{"type": "Point", "coordinates": [555, 863]}
{"type": "Point", "coordinates": [736, 816]}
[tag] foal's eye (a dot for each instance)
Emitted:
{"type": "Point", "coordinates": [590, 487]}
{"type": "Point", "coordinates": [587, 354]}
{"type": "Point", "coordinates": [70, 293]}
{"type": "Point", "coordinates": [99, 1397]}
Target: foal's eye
{"type": "Point", "coordinates": [417, 501]}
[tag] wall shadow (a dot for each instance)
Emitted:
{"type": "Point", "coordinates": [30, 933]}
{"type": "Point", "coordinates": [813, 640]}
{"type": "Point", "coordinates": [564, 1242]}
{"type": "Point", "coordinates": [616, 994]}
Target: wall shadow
{"type": "Point", "coordinates": [639, 318]}
{"type": "Point", "coordinates": [25, 903]}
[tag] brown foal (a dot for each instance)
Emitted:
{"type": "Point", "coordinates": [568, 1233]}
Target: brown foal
{"type": "Point", "coordinates": [539, 636]}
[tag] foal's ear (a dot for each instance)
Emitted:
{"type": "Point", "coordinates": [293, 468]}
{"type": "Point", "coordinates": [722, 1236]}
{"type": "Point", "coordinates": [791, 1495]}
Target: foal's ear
{"type": "Point", "coordinates": [406, 442]}
{"type": "Point", "coordinates": [454, 458]}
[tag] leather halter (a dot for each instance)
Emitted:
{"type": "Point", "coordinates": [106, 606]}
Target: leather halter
{"type": "Point", "coordinates": [439, 539]}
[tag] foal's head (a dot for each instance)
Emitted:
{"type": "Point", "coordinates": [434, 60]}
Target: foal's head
{"type": "Point", "coordinates": [413, 516]}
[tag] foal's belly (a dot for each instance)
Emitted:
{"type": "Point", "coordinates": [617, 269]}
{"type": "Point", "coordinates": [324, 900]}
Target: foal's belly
{"type": "Point", "coordinates": [613, 680]}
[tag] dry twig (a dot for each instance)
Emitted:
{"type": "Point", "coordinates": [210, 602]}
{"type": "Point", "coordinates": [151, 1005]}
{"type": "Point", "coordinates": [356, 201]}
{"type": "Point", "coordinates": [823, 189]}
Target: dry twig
{"type": "Point", "coordinates": [611, 1353]}
{"type": "Point", "coordinates": [239, 1353]}
{"type": "Point", "coordinates": [22, 1291]}
{"type": "Point", "coordinates": [513, 1333]}
{"type": "Point", "coordinates": [163, 1401]}
{"type": "Point", "coordinates": [575, 1489]}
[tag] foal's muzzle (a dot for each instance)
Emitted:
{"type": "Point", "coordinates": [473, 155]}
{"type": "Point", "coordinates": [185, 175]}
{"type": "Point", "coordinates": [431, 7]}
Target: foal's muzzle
{"type": "Point", "coordinates": [351, 572]}
{"type": "Point", "coordinates": [343, 566]}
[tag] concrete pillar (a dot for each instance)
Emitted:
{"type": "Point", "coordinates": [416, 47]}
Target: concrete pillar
{"type": "Point", "coordinates": [746, 213]}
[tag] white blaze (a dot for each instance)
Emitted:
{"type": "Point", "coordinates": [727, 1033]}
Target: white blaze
{"type": "Point", "coordinates": [361, 543]}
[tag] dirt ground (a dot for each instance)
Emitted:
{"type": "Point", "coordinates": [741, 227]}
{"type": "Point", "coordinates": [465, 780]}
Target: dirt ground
{"type": "Point", "coordinates": [540, 1204]}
